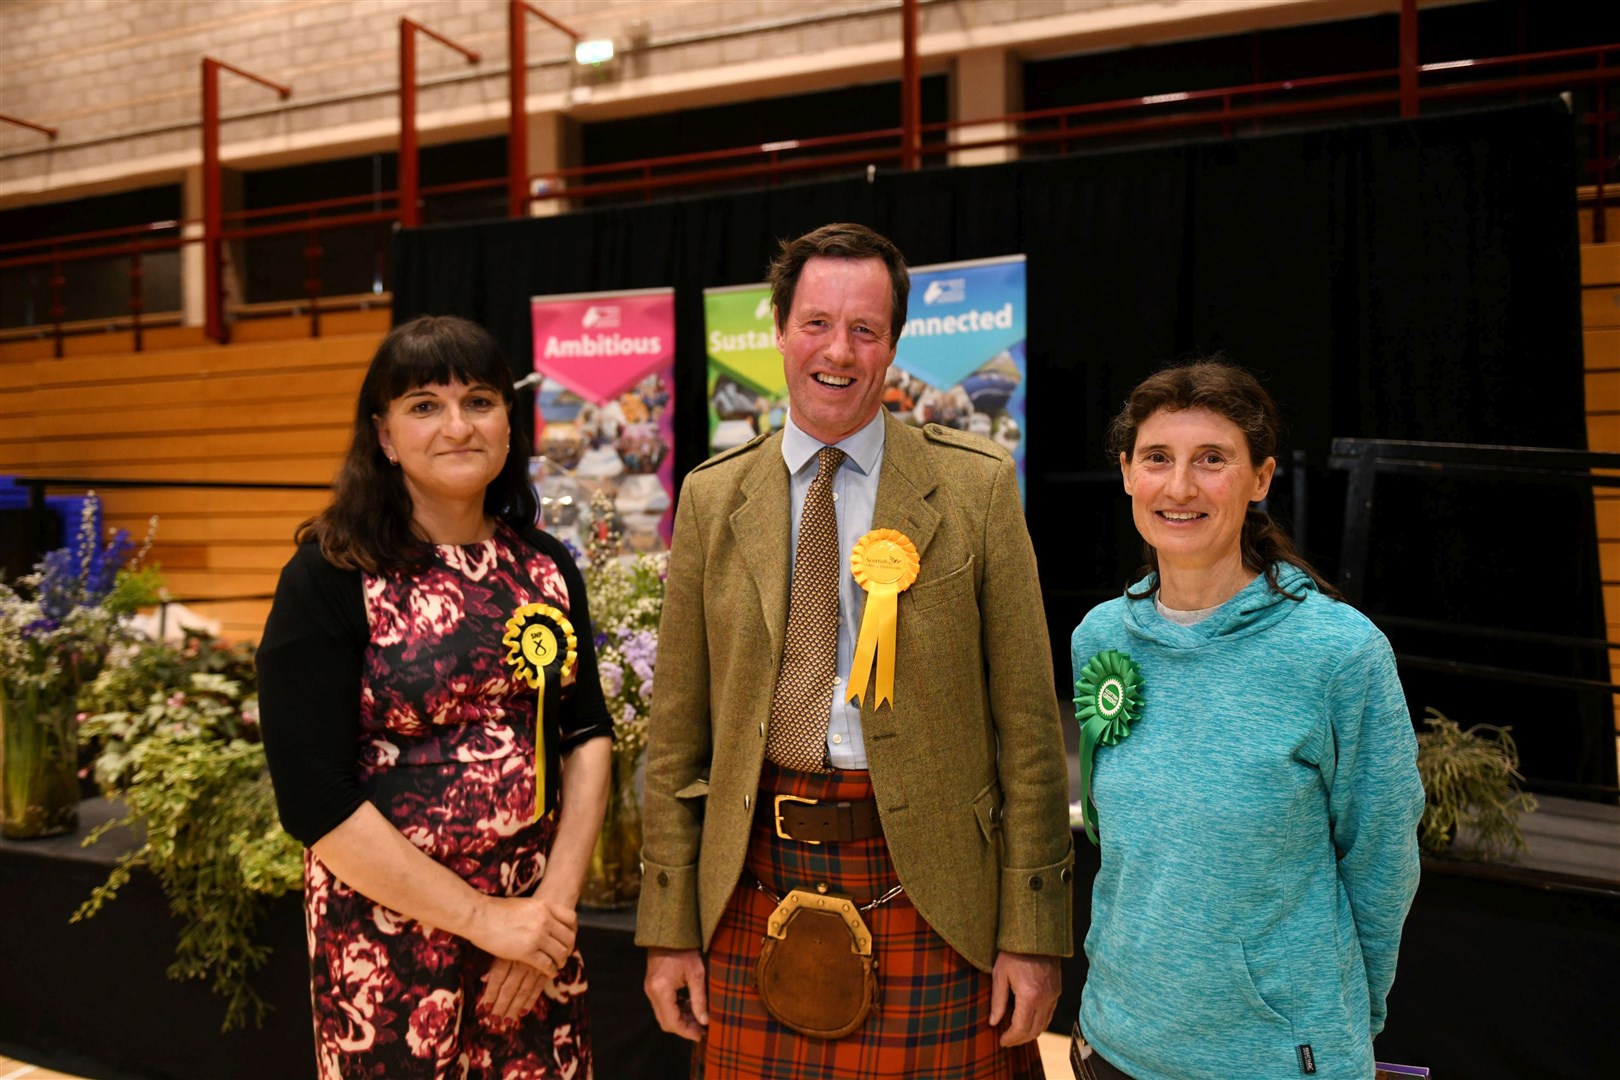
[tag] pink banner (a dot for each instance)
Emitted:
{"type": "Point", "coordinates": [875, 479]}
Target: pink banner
{"type": "Point", "coordinates": [605, 410]}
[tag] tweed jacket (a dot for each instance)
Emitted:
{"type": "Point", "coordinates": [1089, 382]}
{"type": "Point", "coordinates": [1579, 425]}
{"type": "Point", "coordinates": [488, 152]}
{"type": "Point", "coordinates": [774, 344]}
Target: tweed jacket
{"type": "Point", "coordinates": [967, 766]}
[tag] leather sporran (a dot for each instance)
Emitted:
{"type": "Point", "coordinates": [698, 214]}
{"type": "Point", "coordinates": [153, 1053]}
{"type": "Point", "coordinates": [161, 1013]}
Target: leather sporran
{"type": "Point", "coordinates": [815, 972]}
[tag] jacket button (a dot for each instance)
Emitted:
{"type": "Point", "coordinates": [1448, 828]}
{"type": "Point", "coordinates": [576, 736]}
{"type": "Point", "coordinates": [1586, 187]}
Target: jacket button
{"type": "Point", "coordinates": [1067, 875]}
{"type": "Point", "coordinates": [762, 729]}
{"type": "Point", "coordinates": [663, 877]}
{"type": "Point", "coordinates": [995, 815]}
{"type": "Point", "coordinates": [1035, 882]}
{"type": "Point", "coordinates": [747, 801]}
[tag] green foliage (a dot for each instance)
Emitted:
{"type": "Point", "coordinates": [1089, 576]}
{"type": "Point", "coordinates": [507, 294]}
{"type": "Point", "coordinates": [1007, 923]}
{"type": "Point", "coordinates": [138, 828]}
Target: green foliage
{"type": "Point", "coordinates": [135, 587]}
{"type": "Point", "coordinates": [202, 678]}
{"type": "Point", "coordinates": [1470, 781]}
{"type": "Point", "coordinates": [191, 773]}
{"type": "Point", "coordinates": [149, 668]}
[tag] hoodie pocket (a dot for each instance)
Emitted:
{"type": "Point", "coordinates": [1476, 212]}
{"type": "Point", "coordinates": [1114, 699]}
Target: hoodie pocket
{"type": "Point", "coordinates": [1161, 984]}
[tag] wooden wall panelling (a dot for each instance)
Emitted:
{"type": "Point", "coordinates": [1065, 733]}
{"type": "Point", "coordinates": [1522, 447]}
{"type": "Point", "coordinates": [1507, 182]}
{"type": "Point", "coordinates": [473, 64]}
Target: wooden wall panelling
{"type": "Point", "coordinates": [257, 410]}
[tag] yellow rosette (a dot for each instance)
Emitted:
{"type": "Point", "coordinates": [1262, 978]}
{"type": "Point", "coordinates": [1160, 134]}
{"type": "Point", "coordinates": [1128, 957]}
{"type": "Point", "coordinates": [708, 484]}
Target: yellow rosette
{"type": "Point", "coordinates": [542, 649]}
{"type": "Point", "coordinates": [884, 563]}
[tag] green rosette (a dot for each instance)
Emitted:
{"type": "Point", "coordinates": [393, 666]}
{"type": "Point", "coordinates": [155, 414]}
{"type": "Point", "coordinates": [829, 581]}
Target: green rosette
{"type": "Point", "coordinates": [1108, 699]}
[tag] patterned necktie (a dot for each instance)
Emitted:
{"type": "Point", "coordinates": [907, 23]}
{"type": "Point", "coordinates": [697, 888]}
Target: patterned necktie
{"type": "Point", "coordinates": [797, 737]}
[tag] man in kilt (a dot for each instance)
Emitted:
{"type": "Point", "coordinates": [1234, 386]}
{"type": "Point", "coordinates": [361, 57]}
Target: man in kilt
{"type": "Point", "coordinates": [906, 771]}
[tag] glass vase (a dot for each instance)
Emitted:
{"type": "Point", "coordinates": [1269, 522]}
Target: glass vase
{"type": "Point", "coordinates": [614, 879]}
{"type": "Point", "coordinates": [39, 760]}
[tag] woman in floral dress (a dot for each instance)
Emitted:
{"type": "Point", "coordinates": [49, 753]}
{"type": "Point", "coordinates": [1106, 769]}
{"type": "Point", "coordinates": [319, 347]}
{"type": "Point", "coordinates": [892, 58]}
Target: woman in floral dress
{"type": "Point", "coordinates": [437, 734]}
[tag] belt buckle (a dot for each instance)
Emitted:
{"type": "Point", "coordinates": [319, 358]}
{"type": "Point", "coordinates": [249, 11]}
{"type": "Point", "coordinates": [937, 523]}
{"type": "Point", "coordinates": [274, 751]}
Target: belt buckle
{"type": "Point", "coordinates": [780, 799]}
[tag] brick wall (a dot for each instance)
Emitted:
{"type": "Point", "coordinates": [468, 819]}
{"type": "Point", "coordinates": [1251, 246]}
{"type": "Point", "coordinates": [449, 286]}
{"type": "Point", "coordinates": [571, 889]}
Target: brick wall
{"type": "Point", "coordinates": [120, 77]}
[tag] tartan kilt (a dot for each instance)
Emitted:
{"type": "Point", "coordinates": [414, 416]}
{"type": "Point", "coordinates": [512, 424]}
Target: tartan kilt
{"type": "Point", "coordinates": [928, 1022]}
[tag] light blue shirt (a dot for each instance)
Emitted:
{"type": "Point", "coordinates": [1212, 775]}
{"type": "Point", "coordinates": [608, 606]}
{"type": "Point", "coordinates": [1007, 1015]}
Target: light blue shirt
{"type": "Point", "coordinates": [854, 497]}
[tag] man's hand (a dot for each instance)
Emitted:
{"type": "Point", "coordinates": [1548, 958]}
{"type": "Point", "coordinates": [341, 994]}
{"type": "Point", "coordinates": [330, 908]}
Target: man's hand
{"type": "Point", "coordinates": [678, 987]}
{"type": "Point", "coordinates": [1034, 982]}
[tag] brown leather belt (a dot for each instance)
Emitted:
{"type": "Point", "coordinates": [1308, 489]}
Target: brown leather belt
{"type": "Point", "coordinates": [812, 821]}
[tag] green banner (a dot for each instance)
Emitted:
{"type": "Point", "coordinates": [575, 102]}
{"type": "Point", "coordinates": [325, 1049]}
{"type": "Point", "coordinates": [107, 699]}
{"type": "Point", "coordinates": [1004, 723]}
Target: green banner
{"type": "Point", "coordinates": [747, 390]}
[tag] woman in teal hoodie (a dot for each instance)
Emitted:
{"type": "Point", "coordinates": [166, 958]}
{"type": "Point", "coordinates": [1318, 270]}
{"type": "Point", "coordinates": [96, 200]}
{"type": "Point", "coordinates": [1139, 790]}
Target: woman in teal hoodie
{"type": "Point", "coordinates": [1249, 764]}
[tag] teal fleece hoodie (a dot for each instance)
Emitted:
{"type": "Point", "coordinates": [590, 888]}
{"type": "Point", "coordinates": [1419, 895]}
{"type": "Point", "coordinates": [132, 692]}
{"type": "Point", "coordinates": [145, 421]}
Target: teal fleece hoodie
{"type": "Point", "coordinates": [1259, 849]}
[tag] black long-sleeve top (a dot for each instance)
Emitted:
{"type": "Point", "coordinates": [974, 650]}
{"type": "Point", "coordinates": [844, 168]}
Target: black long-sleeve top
{"type": "Point", "coordinates": [310, 670]}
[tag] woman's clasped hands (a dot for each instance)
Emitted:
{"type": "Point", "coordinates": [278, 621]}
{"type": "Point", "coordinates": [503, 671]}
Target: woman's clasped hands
{"type": "Point", "coordinates": [531, 939]}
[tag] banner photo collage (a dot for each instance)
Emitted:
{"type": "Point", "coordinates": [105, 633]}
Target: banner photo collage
{"type": "Point", "coordinates": [604, 412]}
{"type": "Point", "coordinates": [961, 361]}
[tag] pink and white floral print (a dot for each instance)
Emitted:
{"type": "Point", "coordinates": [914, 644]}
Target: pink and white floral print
{"type": "Point", "coordinates": [446, 753]}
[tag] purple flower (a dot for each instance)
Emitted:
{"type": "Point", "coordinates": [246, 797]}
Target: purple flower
{"type": "Point", "coordinates": [80, 574]}
{"type": "Point", "coordinates": [640, 651]}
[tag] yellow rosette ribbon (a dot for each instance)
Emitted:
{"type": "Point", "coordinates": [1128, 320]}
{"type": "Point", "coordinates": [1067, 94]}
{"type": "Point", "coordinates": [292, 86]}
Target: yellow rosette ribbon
{"type": "Point", "coordinates": [884, 563]}
{"type": "Point", "coordinates": [542, 649]}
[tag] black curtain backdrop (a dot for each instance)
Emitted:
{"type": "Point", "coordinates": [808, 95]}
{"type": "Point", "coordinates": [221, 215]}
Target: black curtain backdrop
{"type": "Point", "coordinates": [1403, 279]}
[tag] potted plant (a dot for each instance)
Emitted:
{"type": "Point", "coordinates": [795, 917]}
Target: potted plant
{"type": "Point", "coordinates": [56, 628]}
{"type": "Point", "coordinates": [1470, 782]}
{"type": "Point", "coordinates": [627, 597]}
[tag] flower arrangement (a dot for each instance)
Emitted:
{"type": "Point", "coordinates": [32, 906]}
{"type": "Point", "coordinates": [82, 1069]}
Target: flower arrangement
{"type": "Point", "coordinates": [627, 598]}
{"type": "Point", "coordinates": [57, 626]}
{"type": "Point", "coordinates": [177, 734]}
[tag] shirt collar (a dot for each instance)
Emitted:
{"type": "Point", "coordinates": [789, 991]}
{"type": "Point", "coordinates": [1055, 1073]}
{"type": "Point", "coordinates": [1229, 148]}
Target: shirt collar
{"type": "Point", "coordinates": [863, 449]}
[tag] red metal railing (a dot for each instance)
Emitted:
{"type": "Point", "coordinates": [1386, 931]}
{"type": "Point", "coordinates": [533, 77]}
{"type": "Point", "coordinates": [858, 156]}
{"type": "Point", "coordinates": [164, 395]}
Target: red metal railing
{"type": "Point", "coordinates": [910, 86]}
{"type": "Point", "coordinates": [213, 198]}
{"type": "Point", "coordinates": [517, 97]}
{"type": "Point", "coordinates": [49, 132]}
{"type": "Point", "coordinates": [1226, 109]}
{"type": "Point", "coordinates": [409, 209]}
{"type": "Point", "coordinates": [311, 222]}
{"type": "Point", "coordinates": [136, 241]}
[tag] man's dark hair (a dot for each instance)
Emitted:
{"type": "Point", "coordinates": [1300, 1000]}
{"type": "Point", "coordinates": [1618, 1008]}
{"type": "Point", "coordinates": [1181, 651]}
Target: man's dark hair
{"type": "Point", "coordinates": [368, 524]}
{"type": "Point", "coordinates": [841, 240]}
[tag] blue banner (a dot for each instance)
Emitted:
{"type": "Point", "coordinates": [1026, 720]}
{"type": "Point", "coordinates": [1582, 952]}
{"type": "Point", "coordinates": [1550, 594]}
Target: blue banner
{"type": "Point", "coordinates": [961, 361]}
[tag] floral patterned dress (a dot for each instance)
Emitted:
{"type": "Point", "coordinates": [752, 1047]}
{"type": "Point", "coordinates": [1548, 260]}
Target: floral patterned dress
{"type": "Point", "coordinates": [447, 755]}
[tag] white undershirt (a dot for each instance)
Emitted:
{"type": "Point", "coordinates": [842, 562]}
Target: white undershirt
{"type": "Point", "coordinates": [1184, 618]}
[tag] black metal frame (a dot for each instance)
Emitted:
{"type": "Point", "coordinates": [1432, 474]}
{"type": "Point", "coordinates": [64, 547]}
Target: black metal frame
{"type": "Point", "coordinates": [1366, 459]}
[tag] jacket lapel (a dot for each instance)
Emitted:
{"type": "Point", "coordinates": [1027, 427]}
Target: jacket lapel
{"type": "Point", "coordinates": [761, 526]}
{"type": "Point", "coordinates": [904, 485]}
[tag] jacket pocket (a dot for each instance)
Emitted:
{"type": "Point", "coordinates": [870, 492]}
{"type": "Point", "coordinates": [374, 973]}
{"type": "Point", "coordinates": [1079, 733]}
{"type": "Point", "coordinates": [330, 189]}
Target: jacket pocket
{"type": "Point", "coordinates": [987, 809]}
{"type": "Point", "coordinates": [697, 789]}
{"type": "Point", "coordinates": [941, 590]}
